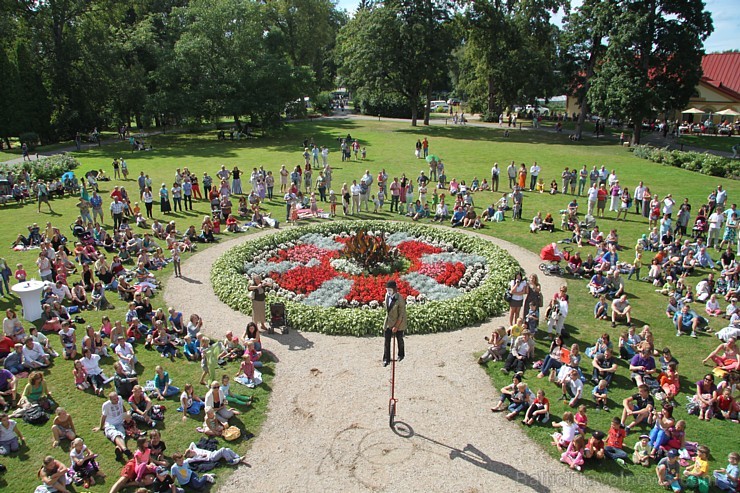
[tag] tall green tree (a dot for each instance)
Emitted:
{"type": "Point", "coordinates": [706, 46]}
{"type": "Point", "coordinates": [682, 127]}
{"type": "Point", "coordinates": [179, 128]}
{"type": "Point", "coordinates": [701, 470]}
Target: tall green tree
{"type": "Point", "coordinates": [306, 31]}
{"type": "Point", "coordinates": [509, 53]}
{"type": "Point", "coordinates": [396, 47]}
{"type": "Point", "coordinates": [582, 44]}
{"type": "Point", "coordinates": [653, 59]}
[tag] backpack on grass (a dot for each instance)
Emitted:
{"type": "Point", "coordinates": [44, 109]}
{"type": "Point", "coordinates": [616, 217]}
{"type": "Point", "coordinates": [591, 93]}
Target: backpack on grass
{"type": "Point", "coordinates": [34, 415]}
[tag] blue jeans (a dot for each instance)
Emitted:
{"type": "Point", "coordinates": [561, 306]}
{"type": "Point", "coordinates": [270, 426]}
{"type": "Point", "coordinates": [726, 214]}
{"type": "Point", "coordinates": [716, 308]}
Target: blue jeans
{"type": "Point", "coordinates": [171, 390]}
{"type": "Point", "coordinates": [720, 479]}
{"type": "Point", "coordinates": [550, 364]}
{"type": "Point", "coordinates": [615, 453]}
{"type": "Point", "coordinates": [196, 482]}
{"type": "Point", "coordinates": [658, 437]}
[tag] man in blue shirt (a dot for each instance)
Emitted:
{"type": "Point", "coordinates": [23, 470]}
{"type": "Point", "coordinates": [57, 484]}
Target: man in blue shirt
{"type": "Point", "coordinates": [457, 217]}
{"type": "Point", "coordinates": [685, 321]}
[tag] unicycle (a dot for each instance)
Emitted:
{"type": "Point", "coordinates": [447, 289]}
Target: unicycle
{"type": "Point", "coordinates": [392, 402]}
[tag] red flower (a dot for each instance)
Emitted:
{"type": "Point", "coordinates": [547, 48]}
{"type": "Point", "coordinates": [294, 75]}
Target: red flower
{"type": "Point", "coordinates": [366, 289]}
{"type": "Point", "coordinates": [447, 273]}
{"type": "Point", "coordinates": [413, 250]}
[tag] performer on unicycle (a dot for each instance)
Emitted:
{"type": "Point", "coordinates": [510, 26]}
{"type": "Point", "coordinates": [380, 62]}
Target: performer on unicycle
{"type": "Point", "coordinates": [395, 321]}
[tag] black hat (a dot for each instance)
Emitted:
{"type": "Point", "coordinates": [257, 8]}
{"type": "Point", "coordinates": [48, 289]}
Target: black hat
{"type": "Point", "coordinates": [391, 284]}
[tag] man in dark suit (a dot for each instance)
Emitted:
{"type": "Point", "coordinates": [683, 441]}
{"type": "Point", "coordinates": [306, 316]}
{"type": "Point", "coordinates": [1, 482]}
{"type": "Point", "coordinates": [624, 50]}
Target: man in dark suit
{"type": "Point", "coordinates": [395, 321]}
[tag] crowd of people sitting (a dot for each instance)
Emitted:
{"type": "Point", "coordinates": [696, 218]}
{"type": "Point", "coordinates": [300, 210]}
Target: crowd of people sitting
{"type": "Point", "coordinates": [120, 265]}
{"type": "Point", "coordinates": [694, 307]}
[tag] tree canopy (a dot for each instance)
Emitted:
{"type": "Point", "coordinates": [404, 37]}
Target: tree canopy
{"type": "Point", "coordinates": [72, 65]}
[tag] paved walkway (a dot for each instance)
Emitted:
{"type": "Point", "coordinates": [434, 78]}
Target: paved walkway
{"type": "Point", "coordinates": [327, 421]}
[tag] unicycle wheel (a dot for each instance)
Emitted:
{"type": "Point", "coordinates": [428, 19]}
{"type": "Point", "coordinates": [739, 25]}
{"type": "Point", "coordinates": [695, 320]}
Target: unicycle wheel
{"type": "Point", "coordinates": [392, 413]}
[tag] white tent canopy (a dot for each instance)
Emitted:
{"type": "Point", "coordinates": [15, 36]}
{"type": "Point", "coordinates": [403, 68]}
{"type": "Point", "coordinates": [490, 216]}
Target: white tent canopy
{"type": "Point", "coordinates": [728, 112]}
{"type": "Point", "coordinates": [694, 111]}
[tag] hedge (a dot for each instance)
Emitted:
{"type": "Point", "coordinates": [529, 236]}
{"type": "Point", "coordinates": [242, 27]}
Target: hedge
{"type": "Point", "coordinates": [708, 164]}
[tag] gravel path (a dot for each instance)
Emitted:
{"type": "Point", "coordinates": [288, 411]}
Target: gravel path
{"type": "Point", "coordinates": [327, 422]}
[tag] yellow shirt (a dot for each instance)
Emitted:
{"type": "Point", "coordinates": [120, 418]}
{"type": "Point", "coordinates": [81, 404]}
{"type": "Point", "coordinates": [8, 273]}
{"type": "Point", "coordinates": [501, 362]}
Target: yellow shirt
{"type": "Point", "coordinates": [700, 467]}
{"type": "Point", "coordinates": [516, 331]}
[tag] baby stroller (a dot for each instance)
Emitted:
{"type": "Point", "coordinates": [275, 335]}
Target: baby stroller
{"type": "Point", "coordinates": [278, 318]}
{"type": "Point", "coordinates": [83, 236]}
{"type": "Point", "coordinates": [552, 257]}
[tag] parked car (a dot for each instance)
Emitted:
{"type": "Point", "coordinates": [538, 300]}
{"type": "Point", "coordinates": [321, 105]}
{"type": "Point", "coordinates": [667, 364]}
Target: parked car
{"type": "Point", "coordinates": [439, 105]}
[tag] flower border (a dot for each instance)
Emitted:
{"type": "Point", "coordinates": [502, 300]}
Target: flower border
{"type": "Point", "coordinates": [230, 284]}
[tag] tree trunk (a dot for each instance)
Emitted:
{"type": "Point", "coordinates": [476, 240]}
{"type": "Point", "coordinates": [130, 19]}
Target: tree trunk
{"type": "Point", "coordinates": [237, 122]}
{"type": "Point", "coordinates": [414, 113]}
{"type": "Point", "coordinates": [491, 99]}
{"type": "Point", "coordinates": [7, 142]}
{"type": "Point", "coordinates": [428, 105]}
{"type": "Point", "coordinates": [581, 115]}
{"type": "Point", "coordinates": [637, 130]}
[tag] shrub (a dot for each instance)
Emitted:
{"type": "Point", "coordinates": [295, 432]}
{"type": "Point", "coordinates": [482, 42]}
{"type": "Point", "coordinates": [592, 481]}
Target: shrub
{"type": "Point", "coordinates": [708, 164]}
{"type": "Point", "coordinates": [322, 103]}
{"type": "Point", "coordinates": [45, 168]}
{"type": "Point", "coordinates": [31, 139]}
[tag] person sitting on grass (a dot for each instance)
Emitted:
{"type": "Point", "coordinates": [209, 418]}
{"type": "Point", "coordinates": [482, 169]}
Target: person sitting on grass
{"type": "Point", "coordinates": [83, 466]}
{"type": "Point", "coordinates": [213, 426]}
{"type": "Point", "coordinates": [568, 427]}
{"type": "Point", "coordinates": [62, 427]}
{"type": "Point", "coordinates": [53, 475]}
{"type": "Point", "coordinates": [668, 472]}
{"type": "Point", "coordinates": [522, 350]}
{"type": "Point", "coordinates": [539, 410]}
{"type": "Point", "coordinates": [615, 441]}
{"type": "Point", "coordinates": [190, 403]}
{"type": "Point", "coordinates": [230, 397]}
{"type": "Point", "coordinates": [726, 356]}
{"type": "Point", "coordinates": [601, 393]}
{"type": "Point", "coordinates": [10, 435]}
{"type": "Point", "coordinates": [696, 476]}
{"type": "Point", "coordinates": [572, 387]}
{"type": "Point", "coordinates": [621, 309]}
{"type": "Point", "coordinates": [686, 321]}
{"type": "Point", "coordinates": [640, 406]}
{"type": "Point", "coordinates": [520, 401]}
{"type": "Point", "coordinates": [186, 477]}
{"type": "Point", "coordinates": [163, 385]}
{"type": "Point", "coordinates": [642, 365]}
{"type": "Point", "coordinates": [507, 392]}
{"type": "Point", "coordinates": [111, 423]}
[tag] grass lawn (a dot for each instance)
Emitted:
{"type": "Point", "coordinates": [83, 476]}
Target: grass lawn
{"type": "Point", "coordinates": [468, 152]}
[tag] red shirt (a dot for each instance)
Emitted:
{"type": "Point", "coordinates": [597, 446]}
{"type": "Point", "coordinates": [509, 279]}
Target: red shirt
{"type": "Point", "coordinates": [601, 194]}
{"type": "Point", "coordinates": [615, 437]}
{"type": "Point", "coordinates": [6, 345]}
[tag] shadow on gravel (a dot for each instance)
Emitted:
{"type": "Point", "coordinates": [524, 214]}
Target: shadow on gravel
{"type": "Point", "coordinates": [475, 456]}
{"type": "Point", "coordinates": [293, 339]}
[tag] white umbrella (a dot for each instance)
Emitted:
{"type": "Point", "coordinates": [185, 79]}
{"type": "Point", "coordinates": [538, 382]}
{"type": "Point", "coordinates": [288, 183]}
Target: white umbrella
{"type": "Point", "coordinates": [694, 111]}
{"type": "Point", "coordinates": [728, 112]}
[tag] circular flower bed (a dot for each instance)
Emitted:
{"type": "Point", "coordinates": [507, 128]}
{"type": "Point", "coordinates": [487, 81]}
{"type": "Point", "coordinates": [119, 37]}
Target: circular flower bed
{"type": "Point", "coordinates": [450, 279]}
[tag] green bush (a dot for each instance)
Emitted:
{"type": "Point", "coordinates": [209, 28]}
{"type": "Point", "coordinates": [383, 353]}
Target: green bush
{"type": "Point", "coordinates": [322, 103]}
{"type": "Point", "coordinates": [230, 284]}
{"type": "Point", "coordinates": [708, 164]}
{"type": "Point", "coordinates": [52, 167]}
{"type": "Point", "coordinates": [31, 139]}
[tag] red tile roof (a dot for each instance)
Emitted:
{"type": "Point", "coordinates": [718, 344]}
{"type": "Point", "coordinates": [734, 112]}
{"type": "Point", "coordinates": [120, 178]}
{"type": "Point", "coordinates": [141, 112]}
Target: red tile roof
{"type": "Point", "coordinates": [723, 70]}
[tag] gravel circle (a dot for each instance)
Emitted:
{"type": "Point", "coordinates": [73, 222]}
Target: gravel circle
{"type": "Point", "coordinates": [327, 421]}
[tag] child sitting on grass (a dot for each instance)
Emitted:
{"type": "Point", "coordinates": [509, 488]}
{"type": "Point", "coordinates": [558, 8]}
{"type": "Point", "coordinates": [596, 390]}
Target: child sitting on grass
{"type": "Point", "coordinates": [600, 393]}
{"type": "Point", "coordinates": [642, 451]}
{"type": "Point", "coordinates": [569, 429]}
{"type": "Point", "coordinates": [696, 476]}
